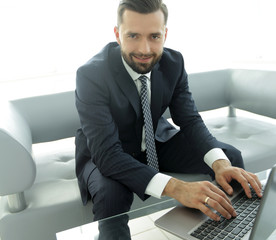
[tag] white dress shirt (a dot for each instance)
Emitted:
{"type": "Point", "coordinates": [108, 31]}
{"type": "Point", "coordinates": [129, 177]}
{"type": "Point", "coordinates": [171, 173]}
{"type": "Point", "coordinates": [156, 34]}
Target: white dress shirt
{"type": "Point", "coordinates": [158, 183]}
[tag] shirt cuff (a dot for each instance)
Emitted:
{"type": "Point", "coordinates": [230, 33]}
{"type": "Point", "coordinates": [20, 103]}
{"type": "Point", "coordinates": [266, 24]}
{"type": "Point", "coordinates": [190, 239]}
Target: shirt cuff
{"type": "Point", "coordinates": [214, 155]}
{"type": "Point", "coordinates": [157, 185]}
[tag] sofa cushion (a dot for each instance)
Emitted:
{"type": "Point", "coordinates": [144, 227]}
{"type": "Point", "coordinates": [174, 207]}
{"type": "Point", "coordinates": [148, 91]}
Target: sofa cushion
{"type": "Point", "coordinates": [254, 138]}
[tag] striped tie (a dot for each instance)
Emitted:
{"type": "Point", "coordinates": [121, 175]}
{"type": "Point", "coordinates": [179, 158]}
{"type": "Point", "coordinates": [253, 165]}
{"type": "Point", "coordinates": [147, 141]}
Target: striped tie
{"type": "Point", "coordinates": [150, 143]}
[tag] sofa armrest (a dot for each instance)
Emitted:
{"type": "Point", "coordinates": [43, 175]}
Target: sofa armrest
{"type": "Point", "coordinates": [17, 167]}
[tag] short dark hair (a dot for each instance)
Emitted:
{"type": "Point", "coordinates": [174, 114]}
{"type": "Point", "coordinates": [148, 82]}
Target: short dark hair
{"type": "Point", "coordinates": [141, 6]}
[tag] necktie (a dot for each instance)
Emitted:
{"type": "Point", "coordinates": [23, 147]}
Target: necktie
{"type": "Point", "coordinates": [150, 143]}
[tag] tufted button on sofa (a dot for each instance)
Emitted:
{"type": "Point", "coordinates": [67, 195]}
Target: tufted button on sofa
{"type": "Point", "coordinates": [38, 187]}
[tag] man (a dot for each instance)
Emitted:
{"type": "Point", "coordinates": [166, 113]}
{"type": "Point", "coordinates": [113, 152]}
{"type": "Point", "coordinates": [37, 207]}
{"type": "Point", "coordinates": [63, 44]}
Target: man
{"type": "Point", "coordinates": [112, 148]}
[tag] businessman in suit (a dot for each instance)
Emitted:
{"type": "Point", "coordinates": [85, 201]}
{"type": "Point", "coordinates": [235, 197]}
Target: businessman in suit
{"type": "Point", "coordinates": [111, 147]}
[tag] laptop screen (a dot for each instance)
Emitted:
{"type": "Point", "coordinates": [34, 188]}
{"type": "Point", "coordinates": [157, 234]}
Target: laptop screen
{"type": "Point", "coordinates": [265, 223]}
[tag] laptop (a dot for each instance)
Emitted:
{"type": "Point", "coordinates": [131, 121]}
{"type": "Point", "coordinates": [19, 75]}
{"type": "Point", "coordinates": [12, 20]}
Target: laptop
{"type": "Point", "coordinates": [256, 217]}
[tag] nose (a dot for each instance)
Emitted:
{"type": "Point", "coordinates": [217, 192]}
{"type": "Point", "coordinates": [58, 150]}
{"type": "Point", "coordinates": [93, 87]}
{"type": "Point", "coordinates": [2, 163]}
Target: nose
{"type": "Point", "coordinates": [144, 46]}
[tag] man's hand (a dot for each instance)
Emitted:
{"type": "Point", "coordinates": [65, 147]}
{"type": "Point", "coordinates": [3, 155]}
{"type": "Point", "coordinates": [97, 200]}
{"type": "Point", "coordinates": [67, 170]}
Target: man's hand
{"type": "Point", "coordinates": [194, 195]}
{"type": "Point", "coordinates": [225, 173]}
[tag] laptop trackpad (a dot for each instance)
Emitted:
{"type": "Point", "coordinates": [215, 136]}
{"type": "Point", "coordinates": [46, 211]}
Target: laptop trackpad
{"type": "Point", "coordinates": [180, 220]}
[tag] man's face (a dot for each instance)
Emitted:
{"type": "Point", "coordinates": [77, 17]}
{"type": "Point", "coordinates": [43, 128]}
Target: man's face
{"type": "Point", "coordinates": [141, 37]}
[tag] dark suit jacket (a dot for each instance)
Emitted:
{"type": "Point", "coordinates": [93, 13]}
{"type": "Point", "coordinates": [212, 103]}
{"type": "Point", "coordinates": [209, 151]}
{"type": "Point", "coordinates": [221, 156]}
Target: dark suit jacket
{"type": "Point", "coordinates": [111, 117]}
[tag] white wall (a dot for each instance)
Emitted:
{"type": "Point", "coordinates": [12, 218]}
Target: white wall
{"type": "Point", "coordinates": [47, 40]}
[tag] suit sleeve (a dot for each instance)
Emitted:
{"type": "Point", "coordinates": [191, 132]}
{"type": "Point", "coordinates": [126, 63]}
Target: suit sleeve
{"type": "Point", "coordinates": [100, 129]}
{"type": "Point", "coordinates": [184, 114]}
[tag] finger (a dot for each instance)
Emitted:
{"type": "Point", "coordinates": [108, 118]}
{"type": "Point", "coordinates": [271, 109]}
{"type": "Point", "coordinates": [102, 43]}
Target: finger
{"type": "Point", "coordinates": [221, 205]}
{"type": "Point", "coordinates": [257, 180]}
{"type": "Point", "coordinates": [243, 180]}
{"type": "Point", "coordinates": [255, 183]}
{"type": "Point", "coordinates": [207, 211]}
{"type": "Point", "coordinates": [221, 193]}
{"type": "Point", "coordinates": [226, 186]}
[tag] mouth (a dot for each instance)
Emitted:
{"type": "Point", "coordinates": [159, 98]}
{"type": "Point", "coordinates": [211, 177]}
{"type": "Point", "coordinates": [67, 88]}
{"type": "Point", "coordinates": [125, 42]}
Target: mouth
{"type": "Point", "coordinates": [143, 59]}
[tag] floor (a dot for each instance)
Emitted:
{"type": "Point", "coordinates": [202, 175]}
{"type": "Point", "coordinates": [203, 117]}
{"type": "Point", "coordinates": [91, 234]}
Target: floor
{"type": "Point", "coordinates": [142, 228]}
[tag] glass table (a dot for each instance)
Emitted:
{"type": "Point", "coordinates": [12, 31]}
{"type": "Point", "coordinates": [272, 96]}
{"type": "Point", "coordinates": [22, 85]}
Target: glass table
{"type": "Point", "coordinates": [137, 224]}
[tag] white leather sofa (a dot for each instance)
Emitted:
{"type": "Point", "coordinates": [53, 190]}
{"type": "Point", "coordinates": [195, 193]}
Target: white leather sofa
{"type": "Point", "coordinates": [38, 186]}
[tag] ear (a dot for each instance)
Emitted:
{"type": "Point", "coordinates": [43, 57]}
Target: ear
{"type": "Point", "coordinates": [117, 34]}
{"type": "Point", "coordinates": [166, 32]}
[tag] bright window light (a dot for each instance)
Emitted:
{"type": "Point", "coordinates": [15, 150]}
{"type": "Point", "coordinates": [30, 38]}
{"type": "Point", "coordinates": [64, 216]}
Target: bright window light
{"type": "Point", "coordinates": [41, 39]}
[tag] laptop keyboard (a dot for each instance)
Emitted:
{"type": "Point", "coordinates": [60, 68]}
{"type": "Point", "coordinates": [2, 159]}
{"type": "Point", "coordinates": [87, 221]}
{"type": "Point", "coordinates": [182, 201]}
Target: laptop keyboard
{"type": "Point", "coordinates": [234, 228]}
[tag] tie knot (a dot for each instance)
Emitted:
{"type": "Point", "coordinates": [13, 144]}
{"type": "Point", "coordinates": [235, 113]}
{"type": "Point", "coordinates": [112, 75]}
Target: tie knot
{"type": "Point", "coordinates": [143, 79]}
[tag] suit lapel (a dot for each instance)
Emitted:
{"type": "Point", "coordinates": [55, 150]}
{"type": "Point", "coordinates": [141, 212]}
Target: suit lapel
{"type": "Point", "coordinates": [156, 94]}
{"type": "Point", "coordinates": [124, 81]}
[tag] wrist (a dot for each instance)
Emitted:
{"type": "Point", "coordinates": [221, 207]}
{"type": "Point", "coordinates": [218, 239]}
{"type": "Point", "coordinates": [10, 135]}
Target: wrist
{"type": "Point", "coordinates": [170, 187]}
{"type": "Point", "coordinates": [221, 164]}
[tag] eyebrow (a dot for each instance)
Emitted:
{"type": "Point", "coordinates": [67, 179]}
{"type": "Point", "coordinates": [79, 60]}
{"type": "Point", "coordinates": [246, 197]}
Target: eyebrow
{"type": "Point", "coordinates": [134, 33]}
{"type": "Point", "coordinates": [157, 33]}
{"type": "Point", "coordinates": [131, 33]}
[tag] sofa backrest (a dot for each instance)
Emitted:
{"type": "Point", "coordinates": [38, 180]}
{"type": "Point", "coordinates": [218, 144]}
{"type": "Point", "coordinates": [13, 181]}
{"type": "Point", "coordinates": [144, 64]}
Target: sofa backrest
{"type": "Point", "coordinates": [54, 116]}
{"type": "Point", "coordinates": [210, 89]}
{"type": "Point", "coordinates": [249, 90]}
{"type": "Point", "coordinates": [50, 117]}
{"type": "Point", "coordinates": [254, 91]}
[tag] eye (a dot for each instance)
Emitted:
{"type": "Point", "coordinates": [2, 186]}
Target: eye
{"type": "Point", "coordinates": [132, 35]}
{"type": "Point", "coordinates": [156, 36]}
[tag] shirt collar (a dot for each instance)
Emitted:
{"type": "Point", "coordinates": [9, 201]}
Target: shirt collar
{"type": "Point", "coordinates": [134, 75]}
